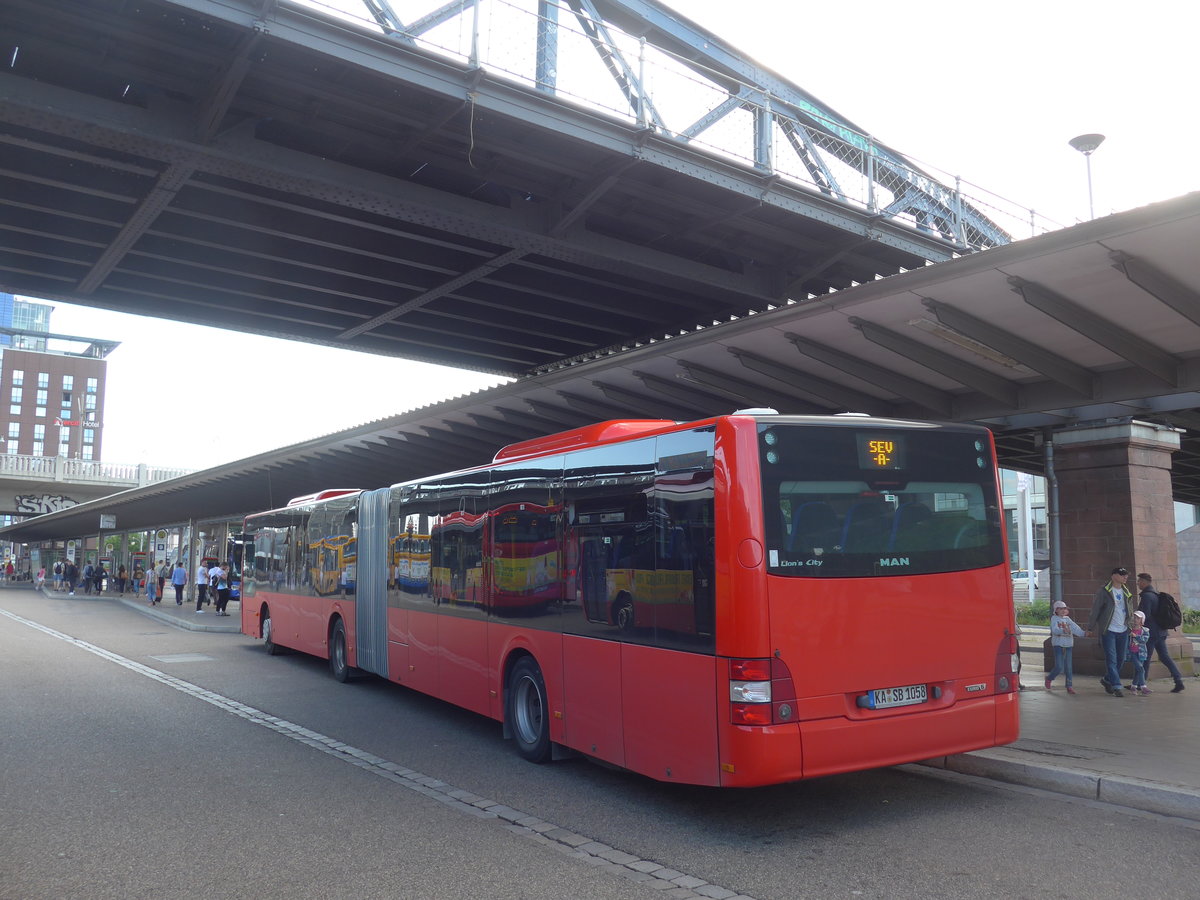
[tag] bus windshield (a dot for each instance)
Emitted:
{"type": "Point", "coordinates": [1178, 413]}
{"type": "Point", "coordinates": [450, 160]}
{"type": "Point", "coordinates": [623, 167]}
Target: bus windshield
{"type": "Point", "coordinates": [845, 501]}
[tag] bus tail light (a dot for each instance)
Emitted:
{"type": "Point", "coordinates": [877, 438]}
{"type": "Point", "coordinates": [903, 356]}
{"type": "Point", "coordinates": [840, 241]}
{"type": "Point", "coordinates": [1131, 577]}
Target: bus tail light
{"type": "Point", "coordinates": [1008, 664]}
{"type": "Point", "coordinates": [761, 692]}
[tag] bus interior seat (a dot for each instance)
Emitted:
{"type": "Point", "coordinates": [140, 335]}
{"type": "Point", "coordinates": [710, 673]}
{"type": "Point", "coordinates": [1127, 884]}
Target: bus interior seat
{"type": "Point", "coordinates": [866, 527]}
{"type": "Point", "coordinates": [909, 526]}
{"type": "Point", "coordinates": [814, 524]}
{"type": "Point", "coordinates": [972, 534]}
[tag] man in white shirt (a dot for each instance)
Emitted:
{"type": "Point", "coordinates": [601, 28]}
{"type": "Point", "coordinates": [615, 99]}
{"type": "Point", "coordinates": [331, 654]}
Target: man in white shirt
{"type": "Point", "coordinates": [1112, 617]}
{"type": "Point", "coordinates": [214, 575]}
{"type": "Point", "coordinates": [201, 586]}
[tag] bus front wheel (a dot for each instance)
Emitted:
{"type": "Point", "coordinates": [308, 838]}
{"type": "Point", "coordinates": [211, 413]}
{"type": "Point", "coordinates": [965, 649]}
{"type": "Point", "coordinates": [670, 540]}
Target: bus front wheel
{"type": "Point", "coordinates": [527, 715]}
{"type": "Point", "coordinates": [337, 652]}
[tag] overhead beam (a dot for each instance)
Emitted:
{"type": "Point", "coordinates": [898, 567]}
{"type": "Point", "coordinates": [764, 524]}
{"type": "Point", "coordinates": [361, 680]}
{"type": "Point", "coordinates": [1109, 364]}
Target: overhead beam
{"type": "Point", "coordinates": [599, 186]}
{"type": "Point", "coordinates": [1158, 284]}
{"type": "Point", "coordinates": [654, 406]}
{"type": "Point", "coordinates": [935, 360]}
{"type": "Point", "coordinates": [822, 390]}
{"type": "Point", "coordinates": [446, 287]}
{"type": "Point", "coordinates": [691, 395]}
{"type": "Point", "coordinates": [563, 417]}
{"type": "Point", "coordinates": [917, 392]}
{"type": "Point", "coordinates": [166, 186]}
{"type": "Point", "coordinates": [746, 393]}
{"type": "Point", "coordinates": [1115, 339]}
{"type": "Point", "coordinates": [540, 420]}
{"type": "Point", "coordinates": [1052, 365]}
{"type": "Point", "coordinates": [597, 409]}
{"type": "Point", "coordinates": [232, 73]}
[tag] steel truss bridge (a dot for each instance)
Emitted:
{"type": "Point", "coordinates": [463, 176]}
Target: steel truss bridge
{"type": "Point", "coordinates": [490, 185]}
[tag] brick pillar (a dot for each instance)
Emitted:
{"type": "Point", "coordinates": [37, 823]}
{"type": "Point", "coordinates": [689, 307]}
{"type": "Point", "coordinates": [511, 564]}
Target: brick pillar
{"type": "Point", "coordinates": [1116, 509]}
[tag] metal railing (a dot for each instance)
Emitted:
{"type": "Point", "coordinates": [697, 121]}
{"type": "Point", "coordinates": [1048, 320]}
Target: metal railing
{"type": "Point", "coordinates": [569, 51]}
{"type": "Point", "coordinates": [59, 468]}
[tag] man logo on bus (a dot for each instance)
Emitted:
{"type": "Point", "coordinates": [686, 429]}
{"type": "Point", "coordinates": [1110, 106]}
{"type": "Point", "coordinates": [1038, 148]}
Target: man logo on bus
{"type": "Point", "coordinates": [894, 561]}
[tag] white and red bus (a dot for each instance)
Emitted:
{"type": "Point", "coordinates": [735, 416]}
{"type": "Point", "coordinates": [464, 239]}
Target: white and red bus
{"type": "Point", "coordinates": [738, 601]}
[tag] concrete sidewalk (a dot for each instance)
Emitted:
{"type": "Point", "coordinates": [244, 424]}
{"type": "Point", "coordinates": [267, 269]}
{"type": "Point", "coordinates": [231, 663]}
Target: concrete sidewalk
{"type": "Point", "coordinates": [1132, 751]}
{"type": "Point", "coordinates": [184, 616]}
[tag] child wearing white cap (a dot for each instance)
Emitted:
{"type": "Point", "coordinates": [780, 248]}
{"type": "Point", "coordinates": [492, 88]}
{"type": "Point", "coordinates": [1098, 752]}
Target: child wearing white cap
{"type": "Point", "coordinates": [1063, 632]}
{"type": "Point", "coordinates": [1139, 638]}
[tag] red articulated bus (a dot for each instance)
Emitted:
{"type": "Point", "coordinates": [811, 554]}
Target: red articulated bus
{"type": "Point", "coordinates": [743, 600]}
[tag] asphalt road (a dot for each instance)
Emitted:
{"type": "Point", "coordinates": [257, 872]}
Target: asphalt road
{"type": "Point", "coordinates": [142, 761]}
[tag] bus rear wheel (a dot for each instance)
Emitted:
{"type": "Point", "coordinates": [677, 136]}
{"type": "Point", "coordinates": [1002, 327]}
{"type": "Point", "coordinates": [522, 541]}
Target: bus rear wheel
{"type": "Point", "coordinates": [527, 712]}
{"type": "Point", "coordinates": [338, 666]}
{"type": "Point", "coordinates": [272, 648]}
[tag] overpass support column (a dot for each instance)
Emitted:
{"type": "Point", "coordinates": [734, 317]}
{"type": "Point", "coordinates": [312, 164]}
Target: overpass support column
{"type": "Point", "coordinates": [1116, 509]}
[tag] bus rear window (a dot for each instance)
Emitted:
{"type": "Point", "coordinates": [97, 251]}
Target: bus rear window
{"type": "Point", "coordinates": [844, 502]}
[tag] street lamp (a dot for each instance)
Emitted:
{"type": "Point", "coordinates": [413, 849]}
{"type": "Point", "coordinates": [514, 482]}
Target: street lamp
{"type": "Point", "coordinates": [1086, 144]}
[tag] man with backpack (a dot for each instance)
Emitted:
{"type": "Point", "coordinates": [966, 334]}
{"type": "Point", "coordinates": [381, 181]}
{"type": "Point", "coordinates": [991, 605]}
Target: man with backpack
{"type": "Point", "coordinates": [1160, 610]}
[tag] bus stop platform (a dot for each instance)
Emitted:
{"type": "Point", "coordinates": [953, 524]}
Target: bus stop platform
{"type": "Point", "coordinates": [184, 616]}
{"type": "Point", "coordinates": [1132, 751]}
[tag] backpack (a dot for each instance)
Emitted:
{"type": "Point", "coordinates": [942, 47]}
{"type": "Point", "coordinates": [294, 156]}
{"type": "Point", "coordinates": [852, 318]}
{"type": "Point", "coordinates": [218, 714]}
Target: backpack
{"type": "Point", "coordinates": [1167, 614]}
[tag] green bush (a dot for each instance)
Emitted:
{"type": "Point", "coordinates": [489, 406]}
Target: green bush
{"type": "Point", "coordinates": [1191, 621]}
{"type": "Point", "coordinates": [1035, 613]}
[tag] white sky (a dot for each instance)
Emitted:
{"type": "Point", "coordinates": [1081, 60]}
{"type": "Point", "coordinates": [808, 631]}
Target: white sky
{"type": "Point", "coordinates": [989, 92]}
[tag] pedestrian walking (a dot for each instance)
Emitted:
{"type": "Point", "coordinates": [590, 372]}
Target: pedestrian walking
{"type": "Point", "coordinates": [179, 581]}
{"type": "Point", "coordinates": [201, 585]}
{"type": "Point", "coordinates": [139, 576]}
{"type": "Point", "coordinates": [99, 573]}
{"type": "Point", "coordinates": [1063, 632]}
{"type": "Point", "coordinates": [41, 577]}
{"type": "Point", "coordinates": [58, 575]}
{"type": "Point", "coordinates": [122, 577]}
{"type": "Point", "coordinates": [152, 586]}
{"type": "Point", "coordinates": [222, 589]}
{"type": "Point", "coordinates": [164, 572]}
{"type": "Point", "coordinates": [70, 576]}
{"type": "Point", "coordinates": [1110, 620]}
{"type": "Point", "coordinates": [1148, 603]}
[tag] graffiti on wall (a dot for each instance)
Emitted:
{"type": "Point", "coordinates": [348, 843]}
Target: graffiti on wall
{"type": "Point", "coordinates": [37, 504]}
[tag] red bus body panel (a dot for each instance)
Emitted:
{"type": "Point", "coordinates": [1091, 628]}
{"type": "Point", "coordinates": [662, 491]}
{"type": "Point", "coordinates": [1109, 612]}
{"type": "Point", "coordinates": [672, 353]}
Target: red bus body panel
{"type": "Point", "coordinates": [301, 623]}
{"type": "Point", "coordinates": [670, 714]}
{"type": "Point", "coordinates": [592, 685]}
{"type": "Point", "coordinates": [667, 713]}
